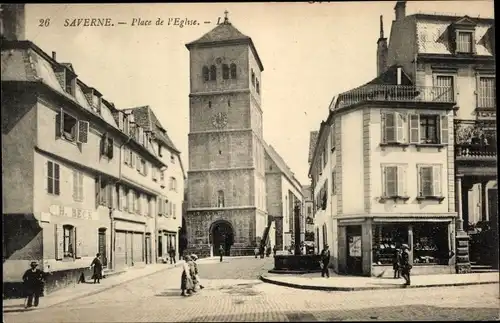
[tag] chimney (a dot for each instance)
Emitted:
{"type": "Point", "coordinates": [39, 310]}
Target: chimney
{"type": "Point", "coordinates": [382, 50]}
{"type": "Point", "coordinates": [400, 10]}
{"type": "Point", "coordinates": [13, 24]}
{"type": "Point", "coordinates": [54, 56]}
{"type": "Point", "coordinates": [399, 76]}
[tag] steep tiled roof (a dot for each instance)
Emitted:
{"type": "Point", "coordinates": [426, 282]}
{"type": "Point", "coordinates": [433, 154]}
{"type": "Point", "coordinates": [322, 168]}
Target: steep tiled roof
{"type": "Point", "coordinates": [222, 32]}
{"type": "Point", "coordinates": [22, 64]}
{"type": "Point", "coordinates": [390, 77]}
{"type": "Point", "coordinates": [433, 34]}
{"type": "Point", "coordinates": [145, 117]}
{"type": "Point", "coordinates": [226, 32]}
{"type": "Point", "coordinates": [280, 162]}
{"type": "Point", "coordinates": [313, 137]}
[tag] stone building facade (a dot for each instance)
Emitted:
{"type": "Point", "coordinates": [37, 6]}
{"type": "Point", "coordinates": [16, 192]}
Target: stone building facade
{"type": "Point", "coordinates": [227, 170]}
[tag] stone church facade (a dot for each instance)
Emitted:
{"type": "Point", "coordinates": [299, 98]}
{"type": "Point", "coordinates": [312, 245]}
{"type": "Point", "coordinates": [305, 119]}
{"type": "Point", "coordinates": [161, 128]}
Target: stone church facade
{"type": "Point", "coordinates": [226, 177]}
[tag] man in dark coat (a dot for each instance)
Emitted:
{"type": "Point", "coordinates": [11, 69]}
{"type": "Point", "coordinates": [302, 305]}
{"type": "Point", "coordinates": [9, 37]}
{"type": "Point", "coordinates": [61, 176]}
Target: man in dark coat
{"type": "Point", "coordinates": [325, 260]}
{"type": "Point", "coordinates": [171, 253]}
{"type": "Point", "coordinates": [97, 264]}
{"type": "Point", "coordinates": [221, 252]}
{"type": "Point", "coordinates": [275, 249]}
{"type": "Point", "coordinates": [33, 280]}
{"type": "Point", "coordinates": [405, 264]}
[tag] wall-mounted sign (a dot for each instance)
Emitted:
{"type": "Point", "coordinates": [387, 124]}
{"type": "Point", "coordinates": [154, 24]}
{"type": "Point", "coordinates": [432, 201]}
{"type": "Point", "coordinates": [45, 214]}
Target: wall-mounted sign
{"type": "Point", "coordinates": [71, 212]}
{"type": "Point", "coordinates": [355, 246]}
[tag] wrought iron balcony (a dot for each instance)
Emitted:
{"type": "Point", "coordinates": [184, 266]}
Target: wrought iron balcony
{"type": "Point", "coordinates": [475, 140]}
{"type": "Point", "coordinates": [397, 93]}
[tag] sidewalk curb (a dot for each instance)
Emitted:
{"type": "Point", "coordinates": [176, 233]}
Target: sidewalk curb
{"type": "Point", "coordinates": [94, 292]}
{"type": "Point", "coordinates": [352, 289]}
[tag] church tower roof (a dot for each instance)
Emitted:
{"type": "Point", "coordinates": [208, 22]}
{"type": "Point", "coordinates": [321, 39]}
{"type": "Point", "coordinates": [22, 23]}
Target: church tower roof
{"type": "Point", "coordinates": [225, 34]}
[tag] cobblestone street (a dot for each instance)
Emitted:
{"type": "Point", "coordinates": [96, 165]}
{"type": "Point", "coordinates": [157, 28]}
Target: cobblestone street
{"type": "Point", "coordinates": [233, 293]}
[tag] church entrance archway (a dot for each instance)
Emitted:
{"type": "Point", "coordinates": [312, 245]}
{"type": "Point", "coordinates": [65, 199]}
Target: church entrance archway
{"type": "Point", "coordinates": [222, 234]}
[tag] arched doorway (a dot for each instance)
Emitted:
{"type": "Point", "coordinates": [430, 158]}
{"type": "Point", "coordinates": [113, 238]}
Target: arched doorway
{"type": "Point", "coordinates": [222, 234]}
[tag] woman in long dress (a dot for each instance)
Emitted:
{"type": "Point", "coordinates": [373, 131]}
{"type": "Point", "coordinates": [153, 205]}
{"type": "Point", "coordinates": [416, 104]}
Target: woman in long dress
{"type": "Point", "coordinates": [97, 264]}
{"type": "Point", "coordinates": [197, 281]}
{"type": "Point", "coordinates": [186, 278]}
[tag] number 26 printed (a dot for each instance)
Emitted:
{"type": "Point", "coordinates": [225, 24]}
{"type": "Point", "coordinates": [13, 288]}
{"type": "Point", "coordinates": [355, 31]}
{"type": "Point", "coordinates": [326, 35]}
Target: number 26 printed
{"type": "Point", "coordinates": [44, 22]}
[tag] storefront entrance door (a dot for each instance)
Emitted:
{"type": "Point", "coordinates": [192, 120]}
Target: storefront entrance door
{"type": "Point", "coordinates": [354, 254]}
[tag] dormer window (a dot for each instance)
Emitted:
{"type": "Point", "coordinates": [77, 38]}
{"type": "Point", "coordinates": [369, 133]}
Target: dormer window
{"type": "Point", "coordinates": [464, 42]}
{"type": "Point", "coordinates": [70, 83]}
{"type": "Point", "coordinates": [463, 38]}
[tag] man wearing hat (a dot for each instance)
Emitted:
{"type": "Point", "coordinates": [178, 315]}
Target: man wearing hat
{"type": "Point", "coordinates": [405, 264]}
{"type": "Point", "coordinates": [33, 280]}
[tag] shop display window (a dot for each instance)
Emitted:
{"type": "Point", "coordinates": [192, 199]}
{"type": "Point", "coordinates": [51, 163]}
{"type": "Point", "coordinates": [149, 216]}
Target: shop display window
{"type": "Point", "coordinates": [386, 239]}
{"type": "Point", "coordinates": [430, 243]}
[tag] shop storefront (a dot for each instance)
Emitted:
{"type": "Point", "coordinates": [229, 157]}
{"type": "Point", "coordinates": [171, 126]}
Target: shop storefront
{"type": "Point", "coordinates": [166, 241]}
{"type": "Point", "coordinates": [369, 247]}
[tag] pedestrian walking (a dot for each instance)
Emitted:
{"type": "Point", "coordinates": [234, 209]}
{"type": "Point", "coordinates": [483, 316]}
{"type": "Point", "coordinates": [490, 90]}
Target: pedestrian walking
{"type": "Point", "coordinates": [268, 251]}
{"type": "Point", "coordinates": [396, 263]}
{"type": "Point", "coordinates": [171, 253]}
{"type": "Point", "coordinates": [196, 273]}
{"type": "Point", "coordinates": [262, 251]}
{"type": "Point", "coordinates": [221, 252]}
{"type": "Point", "coordinates": [186, 279]}
{"type": "Point", "coordinates": [33, 281]}
{"type": "Point", "coordinates": [256, 251]}
{"type": "Point", "coordinates": [275, 249]}
{"type": "Point", "coordinates": [325, 260]}
{"type": "Point", "coordinates": [97, 266]}
{"type": "Point", "coordinates": [406, 266]}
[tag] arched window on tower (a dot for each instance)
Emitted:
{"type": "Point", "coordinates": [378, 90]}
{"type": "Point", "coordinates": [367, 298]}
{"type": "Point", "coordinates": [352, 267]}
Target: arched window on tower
{"type": "Point", "coordinates": [225, 71]}
{"type": "Point", "coordinates": [220, 198]}
{"type": "Point", "coordinates": [233, 71]}
{"type": "Point", "coordinates": [213, 73]}
{"type": "Point", "coordinates": [257, 86]}
{"type": "Point", "coordinates": [206, 74]}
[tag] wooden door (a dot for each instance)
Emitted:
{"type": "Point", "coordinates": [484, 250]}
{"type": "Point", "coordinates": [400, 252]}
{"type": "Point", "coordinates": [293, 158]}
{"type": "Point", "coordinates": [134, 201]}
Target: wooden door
{"type": "Point", "coordinates": [120, 250]}
{"type": "Point", "coordinates": [102, 247]}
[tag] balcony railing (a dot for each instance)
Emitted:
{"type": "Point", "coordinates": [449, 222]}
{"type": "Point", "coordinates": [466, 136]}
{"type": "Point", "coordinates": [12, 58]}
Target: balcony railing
{"type": "Point", "coordinates": [397, 93]}
{"type": "Point", "coordinates": [475, 139]}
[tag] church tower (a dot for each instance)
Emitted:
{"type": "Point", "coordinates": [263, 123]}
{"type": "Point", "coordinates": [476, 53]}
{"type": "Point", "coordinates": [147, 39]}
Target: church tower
{"type": "Point", "coordinates": [226, 176]}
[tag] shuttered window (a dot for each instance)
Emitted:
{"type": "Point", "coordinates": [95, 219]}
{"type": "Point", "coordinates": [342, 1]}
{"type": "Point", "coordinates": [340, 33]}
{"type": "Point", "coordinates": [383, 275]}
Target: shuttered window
{"type": "Point", "coordinates": [77, 185]}
{"type": "Point", "coordinates": [70, 128]}
{"type": "Point", "coordinates": [53, 178]}
{"type": "Point", "coordinates": [394, 180]}
{"type": "Point", "coordinates": [487, 96]}
{"type": "Point", "coordinates": [68, 241]}
{"type": "Point", "coordinates": [392, 126]}
{"type": "Point", "coordinates": [444, 88]}
{"type": "Point", "coordinates": [429, 180]}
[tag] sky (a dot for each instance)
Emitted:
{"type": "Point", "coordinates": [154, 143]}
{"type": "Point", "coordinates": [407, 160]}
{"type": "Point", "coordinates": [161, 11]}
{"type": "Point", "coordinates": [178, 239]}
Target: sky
{"type": "Point", "coordinates": [310, 53]}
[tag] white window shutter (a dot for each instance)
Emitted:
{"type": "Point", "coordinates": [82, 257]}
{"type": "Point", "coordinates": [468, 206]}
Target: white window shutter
{"type": "Point", "coordinates": [59, 123]}
{"type": "Point", "coordinates": [436, 180]}
{"type": "Point", "coordinates": [59, 237]}
{"type": "Point", "coordinates": [391, 175]}
{"type": "Point", "coordinates": [414, 121]}
{"type": "Point", "coordinates": [382, 128]}
{"type": "Point", "coordinates": [420, 181]}
{"type": "Point", "coordinates": [402, 181]}
{"type": "Point", "coordinates": [158, 205]}
{"type": "Point", "coordinates": [132, 159]}
{"type": "Point", "coordinates": [75, 185]}
{"type": "Point", "coordinates": [444, 129]}
{"type": "Point", "coordinates": [384, 184]}
{"type": "Point", "coordinates": [78, 244]}
{"type": "Point", "coordinates": [400, 134]}
{"type": "Point", "coordinates": [390, 127]}
{"type": "Point", "coordinates": [82, 133]}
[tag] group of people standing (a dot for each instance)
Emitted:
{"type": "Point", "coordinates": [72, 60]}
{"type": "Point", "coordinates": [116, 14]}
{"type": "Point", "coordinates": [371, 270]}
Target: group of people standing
{"type": "Point", "coordinates": [190, 279]}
